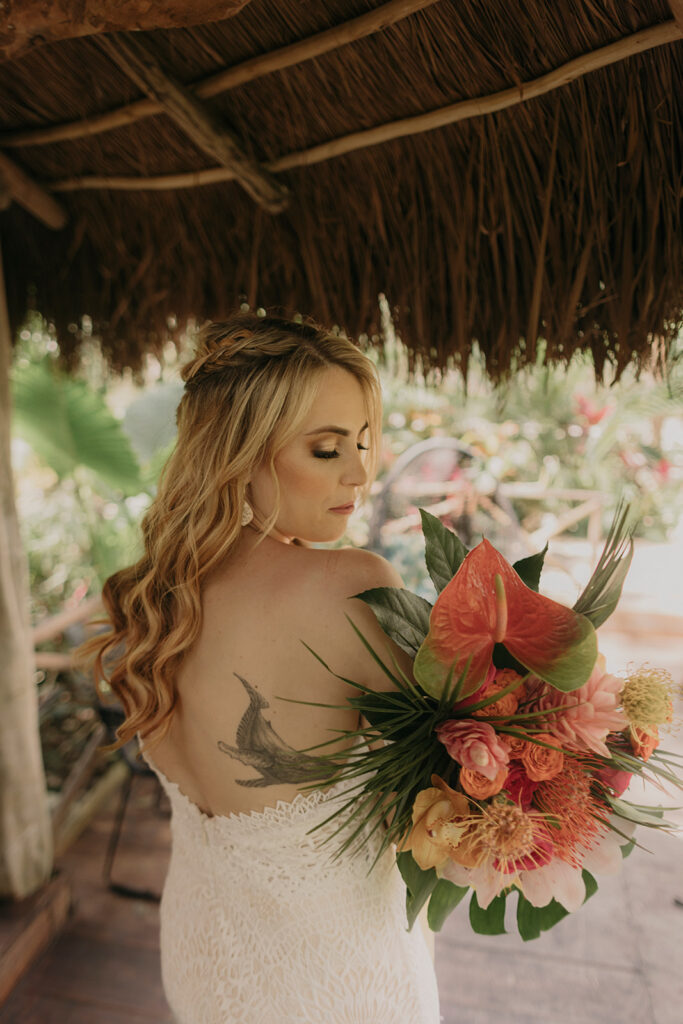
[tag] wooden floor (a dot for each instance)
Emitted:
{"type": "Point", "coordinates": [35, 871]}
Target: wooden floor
{"type": "Point", "coordinates": [104, 967]}
{"type": "Point", "coordinates": [618, 959]}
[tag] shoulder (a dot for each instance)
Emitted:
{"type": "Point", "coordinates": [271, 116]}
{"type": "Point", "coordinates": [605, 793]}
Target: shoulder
{"type": "Point", "coordinates": [358, 570]}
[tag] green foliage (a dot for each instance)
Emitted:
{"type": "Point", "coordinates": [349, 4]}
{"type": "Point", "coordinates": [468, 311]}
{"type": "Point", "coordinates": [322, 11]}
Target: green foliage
{"type": "Point", "coordinates": [402, 615]}
{"type": "Point", "coordinates": [444, 551]}
{"type": "Point", "coordinates": [603, 590]}
{"type": "Point", "coordinates": [443, 901]}
{"type": "Point", "coordinates": [419, 884]}
{"type": "Point", "coordinates": [529, 569]}
{"type": "Point", "coordinates": [69, 425]}
{"type": "Point", "coordinates": [490, 921]}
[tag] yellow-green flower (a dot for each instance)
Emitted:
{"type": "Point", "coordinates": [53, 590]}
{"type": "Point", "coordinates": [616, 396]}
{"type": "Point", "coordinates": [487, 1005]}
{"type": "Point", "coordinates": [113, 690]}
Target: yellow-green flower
{"type": "Point", "coordinates": [646, 698]}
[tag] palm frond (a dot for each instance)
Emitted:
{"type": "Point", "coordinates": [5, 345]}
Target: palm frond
{"type": "Point", "coordinates": [602, 592]}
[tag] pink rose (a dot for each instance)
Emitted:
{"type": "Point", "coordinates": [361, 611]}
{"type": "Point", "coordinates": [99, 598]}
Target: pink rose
{"type": "Point", "coordinates": [474, 745]}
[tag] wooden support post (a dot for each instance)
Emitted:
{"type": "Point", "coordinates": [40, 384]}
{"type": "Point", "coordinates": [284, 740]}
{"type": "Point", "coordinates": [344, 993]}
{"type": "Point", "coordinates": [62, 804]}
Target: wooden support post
{"type": "Point", "coordinates": [134, 57]}
{"type": "Point", "coordinates": [25, 828]}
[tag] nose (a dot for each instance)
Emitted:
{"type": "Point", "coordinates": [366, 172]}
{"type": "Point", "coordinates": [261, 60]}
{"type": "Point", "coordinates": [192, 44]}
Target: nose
{"type": "Point", "coordinates": [355, 474]}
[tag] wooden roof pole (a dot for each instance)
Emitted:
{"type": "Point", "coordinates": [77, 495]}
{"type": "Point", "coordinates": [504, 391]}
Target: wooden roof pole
{"type": "Point", "coordinates": [26, 192]}
{"type": "Point", "coordinates": [28, 24]}
{"type": "Point", "coordinates": [677, 11]}
{"type": "Point", "coordinates": [133, 55]}
{"type": "Point", "coordinates": [667, 32]}
{"type": "Point", "coordinates": [248, 71]}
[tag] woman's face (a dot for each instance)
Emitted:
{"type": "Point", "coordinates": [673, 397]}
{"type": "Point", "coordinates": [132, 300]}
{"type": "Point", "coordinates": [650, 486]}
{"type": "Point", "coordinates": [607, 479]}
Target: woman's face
{"type": "Point", "coordinates": [322, 470]}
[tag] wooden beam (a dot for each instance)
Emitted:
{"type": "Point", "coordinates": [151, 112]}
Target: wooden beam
{"type": "Point", "coordinates": [27, 24]}
{"type": "Point", "coordinates": [133, 55]}
{"type": "Point", "coordinates": [248, 71]}
{"type": "Point", "coordinates": [23, 190]}
{"type": "Point", "coordinates": [640, 42]}
{"type": "Point", "coordinates": [677, 11]}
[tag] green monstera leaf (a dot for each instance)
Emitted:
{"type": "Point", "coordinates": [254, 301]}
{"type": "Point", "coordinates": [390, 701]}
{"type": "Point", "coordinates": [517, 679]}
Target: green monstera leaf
{"type": "Point", "coordinates": [70, 425]}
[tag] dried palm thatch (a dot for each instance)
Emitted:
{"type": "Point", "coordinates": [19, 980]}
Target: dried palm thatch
{"type": "Point", "coordinates": [559, 217]}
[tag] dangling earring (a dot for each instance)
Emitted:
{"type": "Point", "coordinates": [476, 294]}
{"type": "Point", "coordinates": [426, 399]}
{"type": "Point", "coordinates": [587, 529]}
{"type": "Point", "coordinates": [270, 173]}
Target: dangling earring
{"type": "Point", "coordinates": [247, 513]}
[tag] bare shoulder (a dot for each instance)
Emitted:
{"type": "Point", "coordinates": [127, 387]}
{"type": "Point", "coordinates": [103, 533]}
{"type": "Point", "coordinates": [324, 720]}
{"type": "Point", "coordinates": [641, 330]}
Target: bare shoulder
{"type": "Point", "coordinates": [360, 570]}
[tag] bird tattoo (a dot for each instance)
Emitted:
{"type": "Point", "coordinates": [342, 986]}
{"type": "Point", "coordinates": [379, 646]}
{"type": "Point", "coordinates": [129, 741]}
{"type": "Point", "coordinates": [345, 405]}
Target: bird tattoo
{"type": "Point", "coordinates": [259, 746]}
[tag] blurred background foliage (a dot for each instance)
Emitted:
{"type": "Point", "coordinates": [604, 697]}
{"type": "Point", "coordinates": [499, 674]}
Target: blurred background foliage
{"type": "Point", "coordinates": [88, 447]}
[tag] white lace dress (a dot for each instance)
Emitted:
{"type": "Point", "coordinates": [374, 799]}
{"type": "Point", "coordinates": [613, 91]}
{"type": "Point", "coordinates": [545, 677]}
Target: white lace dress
{"type": "Point", "coordinates": [260, 926]}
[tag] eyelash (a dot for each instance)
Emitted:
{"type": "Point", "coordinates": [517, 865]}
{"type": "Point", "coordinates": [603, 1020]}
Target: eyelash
{"type": "Point", "coordinates": [335, 454]}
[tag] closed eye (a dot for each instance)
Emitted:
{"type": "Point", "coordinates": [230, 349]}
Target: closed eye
{"type": "Point", "coordinates": [335, 454]}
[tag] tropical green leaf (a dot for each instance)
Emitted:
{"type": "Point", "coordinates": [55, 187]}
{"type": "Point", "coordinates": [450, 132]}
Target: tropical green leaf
{"type": "Point", "coordinates": [652, 817]}
{"type": "Point", "coordinates": [490, 921]}
{"type": "Point", "coordinates": [529, 569]}
{"type": "Point", "coordinates": [419, 884]}
{"type": "Point", "coordinates": [444, 551]}
{"type": "Point", "coordinates": [444, 899]}
{"type": "Point", "coordinates": [627, 848]}
{"type": "Point", "coordinates": [531, 920]}
{"type": "Point", "coordinates": [403, 616]}
{"type": "Point", "coordinates": [590, 883]}
{"type": "Point", "coordinates": [70, 425]}
{"type": "Point", "coordinates": [603, 590]}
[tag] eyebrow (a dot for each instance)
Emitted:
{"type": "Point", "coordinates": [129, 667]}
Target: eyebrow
{"type": "Point", "coordinates": [335, 430]}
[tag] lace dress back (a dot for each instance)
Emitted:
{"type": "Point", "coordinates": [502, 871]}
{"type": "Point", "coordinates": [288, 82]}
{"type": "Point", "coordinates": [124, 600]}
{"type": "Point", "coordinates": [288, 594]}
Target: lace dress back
{"type": "Point", "coordinates": [261, 925]}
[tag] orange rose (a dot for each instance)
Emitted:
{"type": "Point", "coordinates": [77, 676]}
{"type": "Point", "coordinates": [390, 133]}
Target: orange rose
{"type": "Point", "coordinates": [644, 743]}
{"type": "Point", "coordinates": [517, 745]}
{"type": "Point", "coordinates": [437, 826]}
{"type": "Point", "coordinates": [541, 763]}
{"type": "Point", "coordinates": [508, 704]}
{"type": "Point", "coordinates": [479, 786]}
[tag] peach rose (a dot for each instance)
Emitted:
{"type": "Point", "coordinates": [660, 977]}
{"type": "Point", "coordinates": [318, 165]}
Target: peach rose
{"type": "Point", "coordinates": [480, 786]}
{"type": "Point", "coordinates": [474, 745]}
{"type": "Point", "coordinates": [541, 763]}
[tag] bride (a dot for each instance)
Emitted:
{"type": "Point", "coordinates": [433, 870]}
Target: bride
{"type": "Point", "coordinates": [278, 438]}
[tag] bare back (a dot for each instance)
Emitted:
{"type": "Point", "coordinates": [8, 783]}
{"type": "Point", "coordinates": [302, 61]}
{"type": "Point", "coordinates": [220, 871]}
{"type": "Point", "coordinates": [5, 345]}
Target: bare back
{"type": "Point", "coordinates": [233, 745]}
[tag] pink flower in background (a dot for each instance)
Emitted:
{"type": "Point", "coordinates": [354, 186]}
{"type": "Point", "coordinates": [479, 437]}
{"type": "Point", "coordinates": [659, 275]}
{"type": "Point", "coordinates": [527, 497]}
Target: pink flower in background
{"type": "Point", "coordinates": [586, 407]}
{"type": "Point", "coordinates": [586, 715]}
{"type": "Point", "coordinates": [474, 745]}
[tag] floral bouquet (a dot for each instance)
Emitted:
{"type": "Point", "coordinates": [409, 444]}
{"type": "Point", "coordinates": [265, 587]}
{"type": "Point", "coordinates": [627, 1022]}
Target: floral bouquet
{"type": "Point", "coordinates": [501, 765]}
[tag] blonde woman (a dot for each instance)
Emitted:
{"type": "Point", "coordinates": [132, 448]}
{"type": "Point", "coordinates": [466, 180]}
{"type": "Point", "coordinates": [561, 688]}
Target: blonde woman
{"type": "Point", "coordinates": [278, 437]}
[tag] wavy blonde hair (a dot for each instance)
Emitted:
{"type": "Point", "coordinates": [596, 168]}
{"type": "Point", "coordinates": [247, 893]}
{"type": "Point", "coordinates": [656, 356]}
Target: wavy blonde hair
{"type": "Point", "coordinates": [248, 389]}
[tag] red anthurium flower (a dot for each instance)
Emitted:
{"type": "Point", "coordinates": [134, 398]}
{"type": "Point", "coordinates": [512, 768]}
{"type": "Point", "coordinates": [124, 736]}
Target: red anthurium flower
{"type": "Point", "coordinates": [486, 603]}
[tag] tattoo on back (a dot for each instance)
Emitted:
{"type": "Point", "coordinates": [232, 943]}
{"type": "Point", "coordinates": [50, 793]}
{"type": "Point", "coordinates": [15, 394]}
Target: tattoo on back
{"type": "Point", "coordinates": [259, 746]}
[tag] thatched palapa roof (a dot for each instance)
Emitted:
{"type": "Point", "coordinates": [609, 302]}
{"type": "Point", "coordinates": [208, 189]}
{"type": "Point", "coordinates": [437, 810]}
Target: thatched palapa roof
{"type": "Point", "coordinates": [502, 171]}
